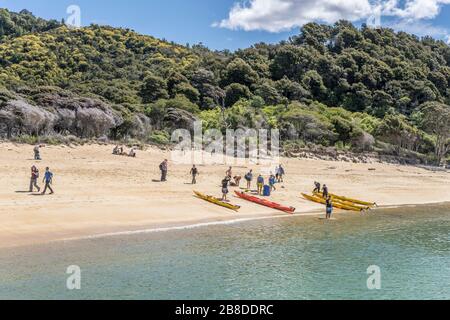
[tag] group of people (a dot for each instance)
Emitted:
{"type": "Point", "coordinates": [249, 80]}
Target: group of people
{"type": "Point", "coordinates": [47, 180]}
{"type": "Point", "coordinates": [119, 151]}
{"type": "Point", "coordinates": [235, 180]}
{"type": "Point", "coordinates": [318, 188]}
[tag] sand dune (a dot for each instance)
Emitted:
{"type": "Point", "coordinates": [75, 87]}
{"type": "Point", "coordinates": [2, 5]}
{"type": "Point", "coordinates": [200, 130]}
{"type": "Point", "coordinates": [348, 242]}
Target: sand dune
{"type": "Point", "coordinates": [98, 193]}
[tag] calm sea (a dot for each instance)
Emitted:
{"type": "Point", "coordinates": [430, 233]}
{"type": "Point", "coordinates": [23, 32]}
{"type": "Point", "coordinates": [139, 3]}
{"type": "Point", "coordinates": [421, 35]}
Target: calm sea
{"type": "Point", "coordinates": [288, 258]}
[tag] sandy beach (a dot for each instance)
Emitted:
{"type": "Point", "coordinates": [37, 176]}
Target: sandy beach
{"type": "Point", "coordinates": [97, 192]}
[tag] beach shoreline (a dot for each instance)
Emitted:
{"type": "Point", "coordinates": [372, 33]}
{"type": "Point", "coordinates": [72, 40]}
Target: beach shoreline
{"type": "Point", "coordinates": [99, 194]}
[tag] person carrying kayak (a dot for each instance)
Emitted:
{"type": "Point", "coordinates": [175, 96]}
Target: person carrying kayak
{"type": "Point", "coordinates": [249, 177]}
{"type": "Point", "coordinates": [225, 191]}
{"type": "Point", "coordinates": [329, 205]}
{"type": "Point", "coordinates": [272, 181]}
{"type": "Point", "coordinates": [48, 180]}
{"type": "Point", "coordinates": [163, 167]}
{"type": "Point", "coordinates": [260, 184]}
{"type": "Point", "coordinates": [325, 191]}
{"type": "Point", "coordinates": [194, 173]}
{"type": "Point", "coordinates": [316, 187]}
{"type": "Point", "coordinates": [34, 178]}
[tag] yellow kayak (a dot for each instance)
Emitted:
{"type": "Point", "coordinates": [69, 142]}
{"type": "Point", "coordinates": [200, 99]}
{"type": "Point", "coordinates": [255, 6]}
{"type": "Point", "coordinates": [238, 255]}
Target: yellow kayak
{"type": "Point", "coordinates": [355, 201]}
{"type": "Point", "coordinates": [335, 204]}
{"type": "Point", "coordinates": [217, 201]}
{"type": "Point", "coordinates": [347, 203]}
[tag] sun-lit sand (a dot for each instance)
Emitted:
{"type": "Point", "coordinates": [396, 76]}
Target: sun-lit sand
{"type": "Point", "coordinates": [98, 193]}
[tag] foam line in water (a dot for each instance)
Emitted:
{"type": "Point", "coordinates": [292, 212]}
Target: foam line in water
{"type": "Point", "coordinates": [176, 228]}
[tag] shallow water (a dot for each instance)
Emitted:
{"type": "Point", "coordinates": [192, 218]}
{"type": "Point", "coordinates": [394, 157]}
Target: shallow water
{"type": "Point", "coordinates": [290, 258]}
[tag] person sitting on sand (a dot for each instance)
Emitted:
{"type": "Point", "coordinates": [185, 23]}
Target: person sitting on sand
{"type": "Point", "coordinates": [116, 151]}
{"type": "Point", "coordinates": [225, 183]}
{"type": "Point", "coordinates": [34, 178]}
{"type": "Point", "coordinates": [163, 167]}
{"type": "Point", "coordinates": [316, 187]}
{"type": "Point", "coordinates": [272, 181]}
{"type": "Point", "coordinates": [236, 182]}
{"type": "Point", "coordinates": [194, 173]}
{"type": "Point", "coordinates": [249, 177]}
{"type": "Point", "coordinates": [325, 191]}
{"type": "Point", "coordinates": [37, 152]}
{"type": "Point", "coordinates": [48, 180]}
{"type": "Point", "coordinates": [260, 184]}
{"type": "Point", "coordinates": [329, 206]}
{"type": "Point", "coordinates": [132, 153]}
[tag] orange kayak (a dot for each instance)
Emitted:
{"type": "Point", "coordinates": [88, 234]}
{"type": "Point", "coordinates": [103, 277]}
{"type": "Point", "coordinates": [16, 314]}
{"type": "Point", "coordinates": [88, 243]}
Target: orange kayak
{"type": "Point", "coordinates": [265, 202]}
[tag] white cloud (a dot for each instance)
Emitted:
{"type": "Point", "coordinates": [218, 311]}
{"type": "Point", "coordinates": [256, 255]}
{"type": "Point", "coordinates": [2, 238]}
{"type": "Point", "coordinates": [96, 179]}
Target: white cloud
{"type": "Point", "coordinates": [414, 9]}
{"type": "Point", "coordinates": [280, 15]}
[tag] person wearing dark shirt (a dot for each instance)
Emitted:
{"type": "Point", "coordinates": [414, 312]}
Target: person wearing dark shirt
{"type": "Point", "coordinates": [272, 181]}
{"type": "Point", "coordinates": [329, 205]}
{"type": "Point", "coordinates": [194, 173]}
{"type": "Point", "coordinates": [317, 187]}
{"type": "Point", "coordinates": [164, 168]}
{"type": "Point", "coordinates": [325, 191]}
{"type": "Point", "coordinates": [225, 183]}
{"type": "Point", "coordinates": [249, 177]}
{"type": "Point", "coordinates": [34, 179]}
{"type": "Point", "coordinates": [260, 184]}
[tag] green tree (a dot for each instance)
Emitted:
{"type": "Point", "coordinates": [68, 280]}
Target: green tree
{"type": "Point", "coordinates": [153, 88]}
{"type": "Point", "coordinates": [234, 92]}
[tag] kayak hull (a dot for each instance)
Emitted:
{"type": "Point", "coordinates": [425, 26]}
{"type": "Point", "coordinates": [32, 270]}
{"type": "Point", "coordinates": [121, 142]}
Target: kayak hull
{"type": "Point", "coordinates": [216, 201]}
{"type": "Point", "coordinates": [335, 204]}
{"type": "Point", "coordinates": [347, 203]}
{"type": "Point", "coordinates": [354, 201]}
{"type": "Point", "coordinates": [265, 202]}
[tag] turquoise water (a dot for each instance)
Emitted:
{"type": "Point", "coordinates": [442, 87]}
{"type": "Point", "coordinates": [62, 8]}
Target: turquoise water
{"type": "Point", "coordinates": [289, 258]}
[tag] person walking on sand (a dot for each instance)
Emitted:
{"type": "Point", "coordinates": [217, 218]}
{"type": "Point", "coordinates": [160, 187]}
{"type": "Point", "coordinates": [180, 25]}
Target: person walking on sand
{"type": "Point", "coordinates": [329, 206]}
{"type": "Point", "coordinates": [37, 152]}
{"type": "Point", "coordinates": [316, 187]}
{"type": "Point", "coordinates": [194, 173]}
{"type": "Point", "coordinates": [164, 168]}
{"type": "Point", "coordinates": [272, 182]}
{"type": "Point", "coordinates": [280, 173]}
{"type": "Point", "coordinates": [325, 191]}
{"type": "Point", "coordinates": [48, 180]}
{"type": "Point", "coordinates": [34, 178]}
{"type": "Point", "coordinates": [225, 183]}
{"type": "Point", "coordinates": [249, 177]}
{"type": "Point", "coordinates": [260, 184]}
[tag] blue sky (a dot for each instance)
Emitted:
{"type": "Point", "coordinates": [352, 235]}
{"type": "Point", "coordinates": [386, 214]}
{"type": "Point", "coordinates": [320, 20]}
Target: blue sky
{"type": "Point", "coordinates": [219, 24]}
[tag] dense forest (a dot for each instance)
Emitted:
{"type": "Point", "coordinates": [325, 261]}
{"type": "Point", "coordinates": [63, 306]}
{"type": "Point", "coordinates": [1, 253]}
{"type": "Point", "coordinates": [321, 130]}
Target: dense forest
{"type": "Point", "coordinates": [336, 87]}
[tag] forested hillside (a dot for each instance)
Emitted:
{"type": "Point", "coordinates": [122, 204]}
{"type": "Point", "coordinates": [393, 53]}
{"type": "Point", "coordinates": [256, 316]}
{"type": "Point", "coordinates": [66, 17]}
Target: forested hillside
{"type": "Point", "coordinates": [332, 86]}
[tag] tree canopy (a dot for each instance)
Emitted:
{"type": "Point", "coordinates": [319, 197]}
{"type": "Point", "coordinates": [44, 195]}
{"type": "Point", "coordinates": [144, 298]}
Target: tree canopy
{"type": "Point", "coordinates": [383, 83]}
